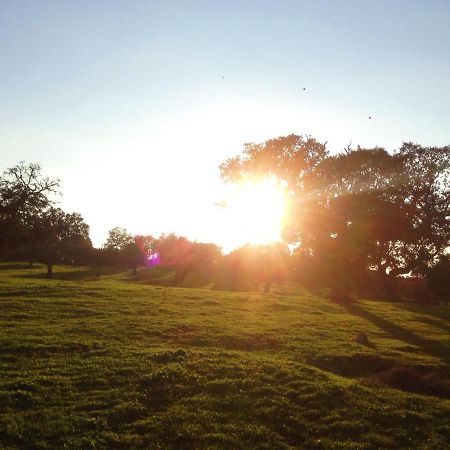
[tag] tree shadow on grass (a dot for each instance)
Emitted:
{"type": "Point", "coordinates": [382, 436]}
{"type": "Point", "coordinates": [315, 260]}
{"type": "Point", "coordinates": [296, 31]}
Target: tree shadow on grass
{"type": "Point", "coordinates": [432, 347]}
{"type": "Point", "coordinates": [70, 273]}
{"type": "Point", "coordinates": [14, 266]}
{"type": "Point", "coordinates": [82, 274]}
{"type": "Point", "coordinates": [441, 313]}
{"type": "Point", "coordinates": [436, 323]}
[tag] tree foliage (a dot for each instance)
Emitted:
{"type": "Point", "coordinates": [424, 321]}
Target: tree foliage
{"type": "Point", "coordinates": [187, 257]}
{"type": "Point", "coordinates": [359, 210]}
{"type": "Point", "coordinates": [290, 158]}
{"type": "Point", "coordinates": [57, 237]}
{"type": "Point", "coordinates": [123, 249]}
{"type": "Point", "coordinates": [250, 266]}
{"type": "Point", "coordinates": [24, 194]}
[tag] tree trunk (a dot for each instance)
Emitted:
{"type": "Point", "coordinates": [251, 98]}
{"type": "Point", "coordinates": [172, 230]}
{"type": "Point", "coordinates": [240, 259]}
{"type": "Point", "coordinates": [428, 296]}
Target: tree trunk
{"type": "Point", "coordinates": [49, 270]}
{"type": "Point", "coordinates": [340, 283]}
{"type": "Point", "coordinates": [388, 285]}
{"type": "Point", "coordinates": [134, 270]}
{"type": "Point", "coordinates": [99, 271]}
{"type": "Point", "coordinates": [267, 287]}
{"type": "Point", "coordinates": [340, 294]}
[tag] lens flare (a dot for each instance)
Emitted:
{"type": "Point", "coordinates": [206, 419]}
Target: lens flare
{"type": "Point", "coordinates": [153, 259]}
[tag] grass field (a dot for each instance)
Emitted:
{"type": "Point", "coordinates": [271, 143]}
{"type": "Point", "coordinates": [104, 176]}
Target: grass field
{"type": "Point", "coordinates": [112, 363]}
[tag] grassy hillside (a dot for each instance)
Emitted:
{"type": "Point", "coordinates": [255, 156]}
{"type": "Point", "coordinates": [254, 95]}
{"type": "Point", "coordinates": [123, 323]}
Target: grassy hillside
{"type": "Point", "coordinates": [110, 363]}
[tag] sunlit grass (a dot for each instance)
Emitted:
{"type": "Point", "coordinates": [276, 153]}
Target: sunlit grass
{"type": "Point", "coordinates": [110, 363]}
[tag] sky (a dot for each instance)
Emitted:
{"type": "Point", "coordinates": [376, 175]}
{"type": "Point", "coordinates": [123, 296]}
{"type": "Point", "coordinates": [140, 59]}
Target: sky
{"type": "Point", "coordinates": [134, 104]}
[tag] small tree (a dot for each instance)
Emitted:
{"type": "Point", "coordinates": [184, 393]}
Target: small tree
{"type": "Point", "coordinates": [186, 257]}
{"type": "Point", "coordinates": [59, 237]}
{"type": "Point", "coordinates": [124, 249]}
{"type": "Point", "coordinates": [100, 257]}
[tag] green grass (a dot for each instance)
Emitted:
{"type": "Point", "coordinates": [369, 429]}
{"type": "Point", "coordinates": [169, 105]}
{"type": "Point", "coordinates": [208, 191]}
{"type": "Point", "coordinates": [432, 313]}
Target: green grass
{"type": "Point", "coordinates": [114, 363]}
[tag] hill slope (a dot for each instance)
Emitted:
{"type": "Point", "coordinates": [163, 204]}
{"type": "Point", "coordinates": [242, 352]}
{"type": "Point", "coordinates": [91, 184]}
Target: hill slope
{"type": "Point", "coordinates": [114, 364]}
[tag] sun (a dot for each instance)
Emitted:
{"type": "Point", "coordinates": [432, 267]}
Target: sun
{"type": "Point", "coordinates": [253, 213]}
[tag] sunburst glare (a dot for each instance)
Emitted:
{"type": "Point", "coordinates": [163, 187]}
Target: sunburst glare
{"type": "Point", "coordinates": [254, 213]}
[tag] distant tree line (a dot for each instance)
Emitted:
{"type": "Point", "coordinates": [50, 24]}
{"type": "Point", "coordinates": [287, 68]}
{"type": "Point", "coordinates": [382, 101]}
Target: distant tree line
{"type": "Point", "coordinates": [34, 229]}
{"type": "Point", "coordinates": [361, 222]}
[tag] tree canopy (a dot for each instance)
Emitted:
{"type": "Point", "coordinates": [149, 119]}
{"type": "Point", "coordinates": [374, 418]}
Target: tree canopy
{"type": "Point", "coordinates": [57, 237]}
{"type": "Point", "coordinates": [361, 208]}
{"type": "Point", "coordinates": [24, 193]}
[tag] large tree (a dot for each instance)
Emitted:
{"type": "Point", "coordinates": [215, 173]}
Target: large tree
{"type": "Point", "coordinates": [397, 205]}
{"type": "Point", "coordinates": [363, 208]}
{"type": "Point", "coordinates": [359, 216]}
{"type": "Point", "coordinates": [24, 194]}
{"type": "Point", "coordinates": [427, 195]}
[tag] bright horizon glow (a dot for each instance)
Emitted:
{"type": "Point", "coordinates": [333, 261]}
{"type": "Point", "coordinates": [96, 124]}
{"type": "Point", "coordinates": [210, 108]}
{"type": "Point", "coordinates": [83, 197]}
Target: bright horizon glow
{"type": "Point", "coordinates": [253, 214]}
